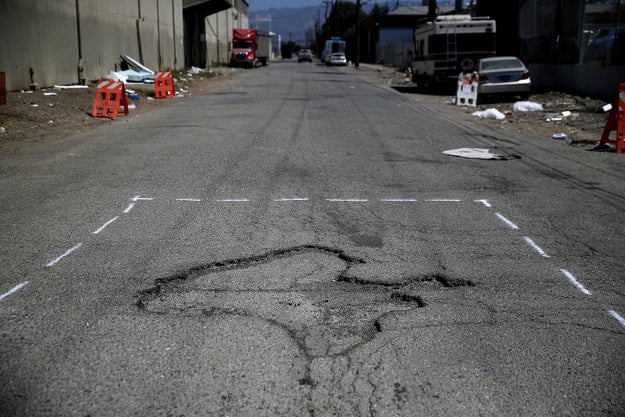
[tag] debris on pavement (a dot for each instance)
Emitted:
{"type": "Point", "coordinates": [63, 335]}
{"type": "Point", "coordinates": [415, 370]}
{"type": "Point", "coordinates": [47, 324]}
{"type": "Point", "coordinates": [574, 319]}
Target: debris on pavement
{"type": "Point", "coordinates": [478, 153]}
{"type": "Point", "coordinates": [559, 136]}
{"type": "Point", "coordinates": [490, 114]}
{"type": "Point", "coordinates": [527, 106]}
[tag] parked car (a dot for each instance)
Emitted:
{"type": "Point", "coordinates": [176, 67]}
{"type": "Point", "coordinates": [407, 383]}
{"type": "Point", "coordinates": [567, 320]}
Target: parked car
{"type": "Point", "coordinates": [504, 75]}
{"type": "Point", "coordinates": [337, 58]}
{"type": "Point", "coordinates": [305, 55]}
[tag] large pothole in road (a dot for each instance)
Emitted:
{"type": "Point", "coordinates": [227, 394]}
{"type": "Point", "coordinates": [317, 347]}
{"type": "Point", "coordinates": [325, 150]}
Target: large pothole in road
{"type": "Point", "coordinates": [310, 291]}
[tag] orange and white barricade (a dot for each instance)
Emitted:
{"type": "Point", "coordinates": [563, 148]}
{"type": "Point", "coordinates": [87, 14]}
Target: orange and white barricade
{"type": "Point", "coordinates": [164, 84]}
{"type": "Point", "coordinates": [466, 94]}
{"type": "Point", "coordinates": [616, 122]}
{"type": "Point", "coordinates": [109, 97]}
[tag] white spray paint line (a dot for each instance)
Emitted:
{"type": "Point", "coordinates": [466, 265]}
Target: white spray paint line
{"type": "Point", "coordinates": [139, 198]}
{"type": "Point", "coordinates": [69, 251]}
{"type": "Point", "coordinates": [398, 200]}
{"type": "Point", "coordinates": [282, 200]}
{"type": "Point", "coordinates": [190, 200]}
{"type": "Point", "coordinates": [536, 247]}
{"type": "Point", "coordinates": [485, 202]}
{"type": "Point", "coordinates": [443, 200]}
{"type": "Point", "coordinates": [617, 316]}
{"type": "Point", "coordinates": [105, 225]}
{"type": "Point", "coordinates": [233, 200]}
{"type": "Point", "coordinates": [129, 208]}
{"type": "Point", "coordinates": [506, 221]}
{"type": "Point", "coordinates": [346, 200]}
{"type": "Point", "coordinates": [14, 290]}
{"type": "Point", "coordinates": [575, 282]}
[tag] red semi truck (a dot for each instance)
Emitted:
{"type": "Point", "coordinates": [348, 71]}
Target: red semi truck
{"type": "Point", "coordinates": [250, 48]}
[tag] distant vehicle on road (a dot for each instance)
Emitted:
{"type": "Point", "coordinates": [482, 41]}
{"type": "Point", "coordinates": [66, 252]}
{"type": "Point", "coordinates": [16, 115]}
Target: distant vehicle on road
{"type": "Point", "coordinates": [305, 55]}
{"type": "Point", "coordinates": [250, 48]}
{"type": "Point", "coordinates": [337, 58]}
{"type": "Point", "coordinates": [332, 46]}
{"type": "Point", "coordinates": [504, 75]}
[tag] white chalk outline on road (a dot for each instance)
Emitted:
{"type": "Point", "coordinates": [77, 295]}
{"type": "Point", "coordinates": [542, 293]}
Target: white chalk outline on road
{"type": "Point", "coordinates": [129, 208]}
{"type": "Point", "coordinates": [139, 198]}
{"type": "Point", "coordinates": [617, 316]}
{"type": "Point", "coordinates": [68, 252]}
{"type": "Point", "coordinates": [14, 290]}
{"type": "Point", "coordinates": [232, 200]}
{"type": "Point", "coordinates": [282, 200]}
{"type": "Point", "coordinates": [347, 200]}
{"type": "Point", "coordinates": [536, 247]}
{"type": "Point", "coordinates": [105, 225]}
{"type": "Point", "coordinates": [575, 282]}
{"type": "Point", "coordinates": [506, 221]}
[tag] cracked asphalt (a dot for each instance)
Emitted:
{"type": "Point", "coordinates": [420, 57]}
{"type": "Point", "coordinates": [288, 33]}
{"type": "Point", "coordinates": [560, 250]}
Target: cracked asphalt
{"type": "Point", "coordinates": [295, 242]}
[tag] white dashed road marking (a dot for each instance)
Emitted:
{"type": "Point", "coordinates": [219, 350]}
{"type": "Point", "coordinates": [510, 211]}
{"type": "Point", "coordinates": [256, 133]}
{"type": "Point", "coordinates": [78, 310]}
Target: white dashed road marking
{"type": "Point", "coordinates": [506, 221]}
{"type": "Point", "coordinates": [14, 290]}
{"type": "Point", "coordinates": [105, 225]}
{"type": "Point", "coordinates": [617, 317]}
{"type": "Point", "coordinates": [536, 247]}
{"type": "Point", "coordinates": [69, 251]}
{"type": "Point", "coordinates": [575, 282]}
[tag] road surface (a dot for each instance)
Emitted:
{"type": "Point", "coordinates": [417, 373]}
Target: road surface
{"type": "Point", "coordinates": [297, 243]}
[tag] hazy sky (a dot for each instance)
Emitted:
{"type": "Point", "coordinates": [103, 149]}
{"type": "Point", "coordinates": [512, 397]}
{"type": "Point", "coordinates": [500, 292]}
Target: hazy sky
{"type": "Point", "coordinates": [278, 4]}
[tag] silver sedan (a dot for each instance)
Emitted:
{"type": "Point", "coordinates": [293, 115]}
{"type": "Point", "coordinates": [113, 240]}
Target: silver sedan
{"type": "Point", "coordinates": [504, 75]}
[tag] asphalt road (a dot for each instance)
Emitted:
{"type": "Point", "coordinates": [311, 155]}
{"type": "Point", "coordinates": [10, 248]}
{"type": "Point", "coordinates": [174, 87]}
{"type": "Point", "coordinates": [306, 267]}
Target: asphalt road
{"type": "Point", "coordinates": [296, 243]}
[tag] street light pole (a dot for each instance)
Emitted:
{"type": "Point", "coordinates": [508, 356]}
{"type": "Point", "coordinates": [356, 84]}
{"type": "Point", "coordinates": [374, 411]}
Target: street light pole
{"type": "Point", "coordinates": [357, 62]}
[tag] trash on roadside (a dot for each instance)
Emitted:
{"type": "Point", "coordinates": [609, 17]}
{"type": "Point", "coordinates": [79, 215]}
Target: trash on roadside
{"type": "Point", "coordinates": [490, 114]}
{"type": "Point", "coordinates": [2, 130]}
{"type": "Point", "coordinates": [117, 76]}
{"type": "Point", "coordinates": [34, 105]}
{"type": "Point", "coordinates": [607, 107]}
{"type": "Point", "coordinates": [477, 153]}
{"type": "Point", "coordinates": [554, 119]}
{"type": "Point", "coordinates": [70, 87]}
{"type": "Point", "coordinates": [195, 70]}
{"type": "Point", "coordinates": [566, 113]}
{"type": "Point", "coordinates": [132, 106]}
{"type": "Point", "coordinates": [135, 71]}
{"type": "Point", "coordinates": [527, 106]}
{"type": "Point", "coordinates": [134, 96]}
{"type": "Point", "coordinates": [49, 94]}
{"type": "Point", "coordinates": [559, 136]}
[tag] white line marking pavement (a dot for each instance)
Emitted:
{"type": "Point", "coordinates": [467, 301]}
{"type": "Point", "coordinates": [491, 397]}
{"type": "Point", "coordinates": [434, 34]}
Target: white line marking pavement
{"type": "Point", "coordinates": [536, 247]}
{"type": "Point", "coordinates": [139, 198]}
{"type": "Point", "coordinates": [398, 200]}
{"type": "Point", "coordinates": [69, 251]}
{"type": "Point", "coordinates": [346, 200]}
{"type": "Point", "coordinates": [575, 282]}
{"type": "Point", "coordinates": [443, 200]}
{"type": "Point", "coordinates": [233, 200]}
{"type": "Point", "coordinates": [104, 226]}
{"type": "Point", "coordinates": [280, 200]}
{"type": "Point", "coordinates": [130, 207]}
{"type": "Point", "coordinates": [192, 200]}
{"type": "Point", "coordinates": [617, 317]}
{"type": "Point", "coordinates": [508, 222]}
{"type": "Point", "coordinates": [14, 290]}
{"type": "Point", "coordinates": [485, 202]}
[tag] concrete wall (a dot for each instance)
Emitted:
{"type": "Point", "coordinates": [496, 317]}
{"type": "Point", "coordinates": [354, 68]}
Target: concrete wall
{"type": "Point", "coordinates": [50, 36]}
{"type": "Point", "coordinates": [219, 33]}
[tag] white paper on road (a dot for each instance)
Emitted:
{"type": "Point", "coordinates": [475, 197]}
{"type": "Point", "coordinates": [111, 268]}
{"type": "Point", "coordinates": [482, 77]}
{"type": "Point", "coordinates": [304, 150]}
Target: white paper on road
{"type": "Point", "coordinates": [475, 153]}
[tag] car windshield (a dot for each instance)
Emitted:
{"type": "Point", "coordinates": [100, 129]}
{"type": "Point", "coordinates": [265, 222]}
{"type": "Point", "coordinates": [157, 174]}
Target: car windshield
{"type": "Point", "coordinates": [498, 64]}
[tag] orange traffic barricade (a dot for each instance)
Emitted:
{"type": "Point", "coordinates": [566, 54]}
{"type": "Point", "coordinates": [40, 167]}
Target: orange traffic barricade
{"type": "Point", "coordinates": [164, 84]}
{"type": "Point", "coordinates": [616, 122]}
{"type": "Point", "coordinates": [109, 97]}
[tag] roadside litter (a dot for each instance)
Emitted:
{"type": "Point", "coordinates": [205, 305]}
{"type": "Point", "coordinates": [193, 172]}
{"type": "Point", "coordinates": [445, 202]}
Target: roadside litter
{"type": "Point", "coordinates": [490, 114]}
{"type": "Point", "coordinates": [559, 136]}
{"type": "Point", "coordinates": [527, 106]}
{"type": "Point", "coordinates": [478, 153]}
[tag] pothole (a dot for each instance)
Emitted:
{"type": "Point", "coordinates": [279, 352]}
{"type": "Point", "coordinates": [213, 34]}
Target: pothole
{"type": "Point", "coordinates": [305, 290]}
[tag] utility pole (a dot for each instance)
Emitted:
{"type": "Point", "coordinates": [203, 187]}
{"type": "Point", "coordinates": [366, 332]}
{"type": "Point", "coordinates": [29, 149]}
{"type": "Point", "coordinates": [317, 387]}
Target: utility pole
{"type": "Point", "coordinates": [357, 62]}
{"type": "Point", "coordinates": [336, 11]}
